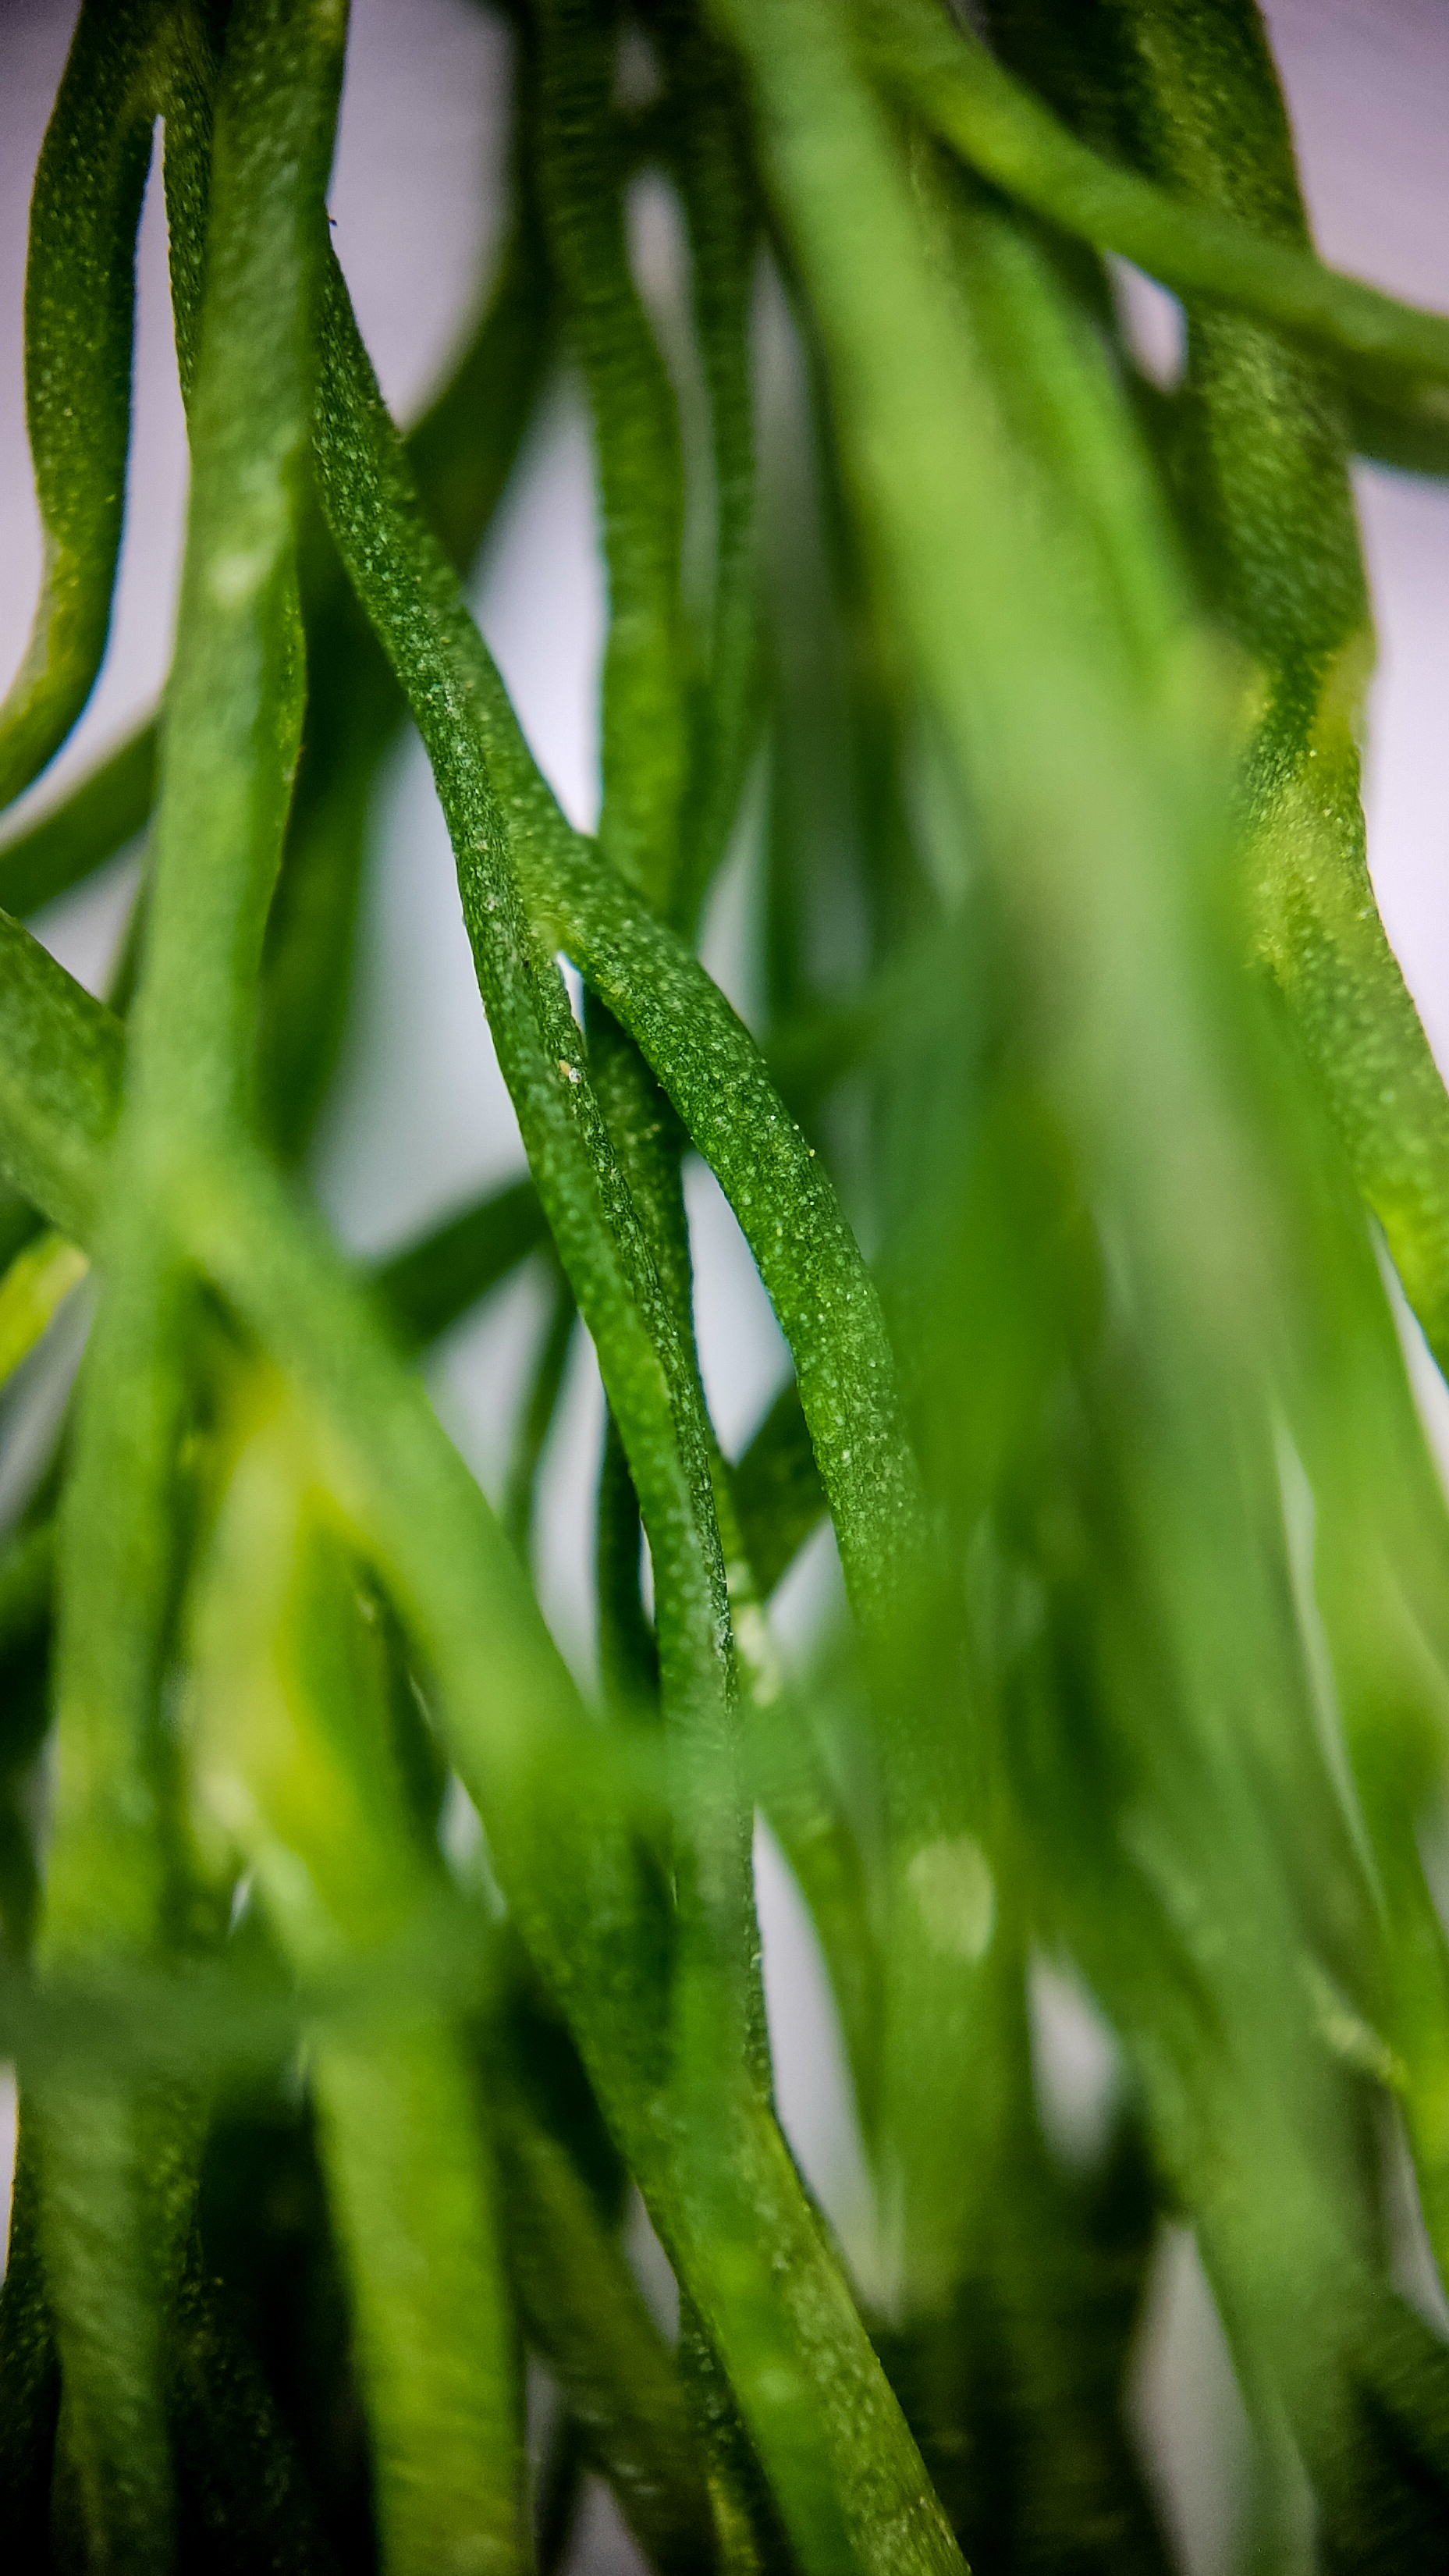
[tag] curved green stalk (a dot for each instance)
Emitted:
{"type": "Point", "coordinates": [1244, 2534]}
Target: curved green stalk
{"type": "Point", "coordinates": [27, 1574]}
{"type": "Point", "coordinates": [187, 68]}
{"type": "Point", "coordinates": [441, 658]}
{"type": "Point", "coordinates": [649, 1140]}
{"type": "Point", "coordinates": [710, 160]}
{"type": "Point", "coordinates": [462, 448]}
{"type": "Point", "coordinates": [231, 740]}
{"type": "Point", "coordinates": [1263, 461]}
{"type": "Point", "coordinates": [829, 2433]}
{"type": "Point", "coordinates": [79, 302]}
{"type": "Point", "coordinates": [1384, 435]}
{"type": "Point", "coordinates": [60, 1082]}
{"type": "Point", "coordinates": [776, 1501]}
{"type": "Point", "coordinates": [636, 432]}
{"type": "Point", "coordinates": [560, 2494]}
{"type": "Point", "coordinates": [641, 484]}
{"type": "Point", "coordinates": [644, 744]}
{"type": "Point", "coordinates": [784, 1769]}
{"type": "Point", "coordinates": [415, 1506]}
{"type": "Point", "coordinates": [125, 67]}
{"type": "Point", "coordinates": [418, 609]}
{"type": "Point", "coordinates": [697, 1047]}
{"type": "Point", "coordinates": [708, 1064]}
{"type": "Point", "coordinates": [791, 1781]}
{"type": "Point", "coordinates": [640, 475]}
{"type": "Point", "coordinates": [1260, 493]}
{"type": "Point", "coordinates": [1078, 798]}
{"type": "Point", "coordinates": [828, 1308]}
{"type": "Point", "coordinates": [949, 79]}
{"type": "Point", "coordinates": [1148, 1656]}
{"type": "Point", "coordinates": [749, 2540]}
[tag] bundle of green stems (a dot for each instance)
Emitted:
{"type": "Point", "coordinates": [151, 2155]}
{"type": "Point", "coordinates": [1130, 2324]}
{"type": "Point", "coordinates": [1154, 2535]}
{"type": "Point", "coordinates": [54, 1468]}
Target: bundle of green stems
{"type": "Point", "coordinates": [1086, 1139]}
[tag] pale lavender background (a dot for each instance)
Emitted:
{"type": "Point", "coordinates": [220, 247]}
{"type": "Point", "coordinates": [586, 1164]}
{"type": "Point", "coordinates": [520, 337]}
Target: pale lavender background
{"type": "Point", "coordinates": [420, 1117]}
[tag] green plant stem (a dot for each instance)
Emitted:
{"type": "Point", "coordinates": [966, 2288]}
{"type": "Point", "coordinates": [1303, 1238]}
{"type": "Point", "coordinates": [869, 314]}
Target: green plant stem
{"type": "Point", "coordinates": [950, 80]}
{"type": "Point", "coordinates": [463, 448]}
{"type": "Point", "coordinates": [60, 1093]}
{"type": "Point", "coordinates": [461, 473]}
{"type": "Point", "coordinates": [641, 483]}
{"type": "Point", "coordinates": [695, 1044]}
{"type": "Point", "coordinates": [645, 753]}
{"type": "Point", "coordinates": [453, 1572]}
{"type": "Point", "coordinates": [1382, 435]}
{"type": "Point", "coordinates": [1262, 496]}
{"type": "Point", "coordinates": [710, 160]}
{"type": "Point", "coordinates": [605, 1250]}
{"type": "Point", "coordinates": [60, 1069]}
{"type": "Point", "coordinates": [644, 779]}
{"type": "Point", "coordinates": [27, 1575]}
{"type": "Point", "coordinates": [833, 2350]}
{"type": "Point", "coordinates": [788, 2334]}
{"type": "Point", "coordinates": [1078, 793]}
{"type": "Point", "coordinates": [709, 1066]}
{"type": "Point", "coordinates": [774, 1504]}
{"type": "Point", "coordinates": [125, 68]}
{"type": "Point", "coordinates": [232, 732]}
{"type": "Point", "coordinates": [748, 2538]}
{"type": "Point", "coordinates": [79, 298]}
{"type": "Point", "coordinates": [636, 435]}
{"type": "Point", "coordinates": [1264, 459]}
{"type": "Point", "coordinates": [1147, 1667]}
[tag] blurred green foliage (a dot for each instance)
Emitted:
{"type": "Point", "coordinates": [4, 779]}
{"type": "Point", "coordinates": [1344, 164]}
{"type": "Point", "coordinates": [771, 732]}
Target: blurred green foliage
{"type": "Point", "coordinates": [1087, 1117]}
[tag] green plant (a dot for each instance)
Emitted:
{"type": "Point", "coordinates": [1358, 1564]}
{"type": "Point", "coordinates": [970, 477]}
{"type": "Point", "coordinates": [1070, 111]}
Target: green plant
{"type": "Point", "coordinates": [1055, 682]}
